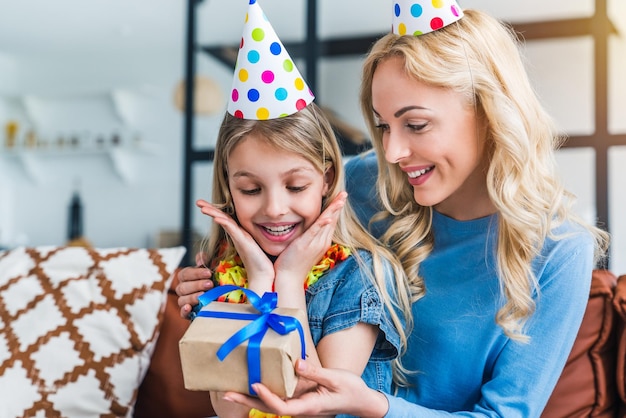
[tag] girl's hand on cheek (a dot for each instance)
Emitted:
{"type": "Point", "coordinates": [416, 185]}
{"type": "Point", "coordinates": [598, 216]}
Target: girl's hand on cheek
{"type": "Point", "coordinates": [259, 268]}
{"type": "Point", "coordinates": [304, 252]}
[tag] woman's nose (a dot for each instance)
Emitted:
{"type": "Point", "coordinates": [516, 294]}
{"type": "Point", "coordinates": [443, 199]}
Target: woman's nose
{"type": "Point", "coordinates": [396, 148]}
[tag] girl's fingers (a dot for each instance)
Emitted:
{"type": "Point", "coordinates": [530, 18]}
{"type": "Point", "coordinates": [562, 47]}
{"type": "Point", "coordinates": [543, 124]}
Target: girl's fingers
{"type": "Point", "coordinates": [219, 217]}
{"type": "Point", "coordinates": [338, 203]}
{"type": "Point", "coordinates": [324, 226]}
{"type": "Point", "coordinates": [247, 248]}
{"type": "Point", "coordinates": [210, 210]}
{"type": "Point", "coordinates": [307, 249]}
{"type": "Point", "coordinates": [330, 215]}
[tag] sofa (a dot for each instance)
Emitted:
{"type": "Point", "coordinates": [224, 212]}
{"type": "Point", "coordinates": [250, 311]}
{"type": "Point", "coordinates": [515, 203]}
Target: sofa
{"type": "Point", "coordinates": [592, 383]}
{"type": "Point", "coordinates": [94, 333]}
{"type": "Point", "coordinates": [162, 393]}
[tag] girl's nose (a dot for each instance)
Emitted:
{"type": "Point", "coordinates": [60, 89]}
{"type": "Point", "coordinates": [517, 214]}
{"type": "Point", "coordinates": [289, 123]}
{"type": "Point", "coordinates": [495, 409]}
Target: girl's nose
{"type": "Point", "coordinates": [276, 204]}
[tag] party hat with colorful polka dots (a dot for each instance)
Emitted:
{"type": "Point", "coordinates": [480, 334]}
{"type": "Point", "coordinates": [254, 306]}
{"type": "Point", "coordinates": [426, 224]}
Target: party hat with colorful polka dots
{"type": "Point", "coordinates": [266, 84]}
{"type": "Point", "coordinates": [418, 17]}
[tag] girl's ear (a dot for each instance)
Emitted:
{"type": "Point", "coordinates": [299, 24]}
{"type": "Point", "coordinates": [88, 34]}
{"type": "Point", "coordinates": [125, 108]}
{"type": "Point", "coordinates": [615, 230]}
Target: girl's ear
{"type": "Point", "coordinates": [329, 178]}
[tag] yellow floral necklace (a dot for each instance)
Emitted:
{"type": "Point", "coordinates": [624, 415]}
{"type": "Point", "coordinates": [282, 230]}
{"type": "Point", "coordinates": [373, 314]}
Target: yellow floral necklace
{"type": "Point", "coordinates": [233, 272]}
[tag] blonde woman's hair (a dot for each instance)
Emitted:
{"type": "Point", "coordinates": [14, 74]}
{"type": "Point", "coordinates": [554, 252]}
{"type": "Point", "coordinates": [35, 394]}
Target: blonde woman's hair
{"type": "Point", "coordinates": [480, 58]}
{"type": "Point", "coordinates": [308, 134]}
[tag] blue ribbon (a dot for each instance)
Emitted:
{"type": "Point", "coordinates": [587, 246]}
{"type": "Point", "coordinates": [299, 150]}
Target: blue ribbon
{"type": "Point", "coordinates": [255, 331]}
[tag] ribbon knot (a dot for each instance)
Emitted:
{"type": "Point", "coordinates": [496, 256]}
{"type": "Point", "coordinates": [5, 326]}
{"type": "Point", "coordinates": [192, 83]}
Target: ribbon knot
{"type": "Point", "coordinates": [255, 331]}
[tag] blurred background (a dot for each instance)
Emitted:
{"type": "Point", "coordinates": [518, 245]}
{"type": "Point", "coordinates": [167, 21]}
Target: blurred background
{"type": "Point", "coordinates": [92, 99]}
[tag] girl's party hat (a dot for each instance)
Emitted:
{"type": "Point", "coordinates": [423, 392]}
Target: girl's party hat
{"type": "Point", "coordinates": [266, 84]}
{"type": "Point", "coordinates": [418, 17]}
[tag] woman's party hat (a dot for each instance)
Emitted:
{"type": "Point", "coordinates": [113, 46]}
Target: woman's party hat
{"type": "Point", "coordinates": [266, 84]}
{"type": "Point", "coordinates": [418, 17]}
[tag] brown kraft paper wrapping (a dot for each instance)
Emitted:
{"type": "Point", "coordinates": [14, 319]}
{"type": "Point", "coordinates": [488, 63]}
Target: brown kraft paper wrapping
{"type": "Point", "coordinates": [203, 371]}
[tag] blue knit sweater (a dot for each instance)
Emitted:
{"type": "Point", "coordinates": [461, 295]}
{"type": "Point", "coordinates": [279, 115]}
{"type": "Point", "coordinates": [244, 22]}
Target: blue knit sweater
{"type": "Point", "coordinates": [464, 364]}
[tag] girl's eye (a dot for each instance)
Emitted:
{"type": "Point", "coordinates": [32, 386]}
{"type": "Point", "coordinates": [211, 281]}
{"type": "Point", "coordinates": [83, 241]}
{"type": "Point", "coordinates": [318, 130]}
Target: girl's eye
{"type": "Point", "coordinates": [250, 191]}
{"type": "Point", "coordinates": [296, 189]}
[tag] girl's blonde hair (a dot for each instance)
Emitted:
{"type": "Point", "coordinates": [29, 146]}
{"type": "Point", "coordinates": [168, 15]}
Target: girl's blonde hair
{"type": "Point", "coordinates": [308, 134]}
{"type": "Point", "coordinates": [480, 58]}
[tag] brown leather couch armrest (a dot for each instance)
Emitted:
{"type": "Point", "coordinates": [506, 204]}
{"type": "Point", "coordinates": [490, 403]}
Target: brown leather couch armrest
{"type": "Point", "coordinates": [619, 300]}
{"type": "Point", "coordinates": [586, 386]}
{"type": "Point", "coordinates": [162, 392]}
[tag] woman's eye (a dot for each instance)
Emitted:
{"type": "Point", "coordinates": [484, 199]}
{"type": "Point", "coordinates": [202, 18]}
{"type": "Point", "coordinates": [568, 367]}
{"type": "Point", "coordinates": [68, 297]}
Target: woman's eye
{"type": "Point", "coordinates": [416, 128]}
{"type": "Point", "coordinates": [250, 191]}
{"type": "Point", "coordinates": [383, 127]}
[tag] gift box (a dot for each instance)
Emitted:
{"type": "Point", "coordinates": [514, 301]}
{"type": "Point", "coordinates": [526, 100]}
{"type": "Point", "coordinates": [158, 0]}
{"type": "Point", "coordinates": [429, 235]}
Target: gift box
{"type": "Point", "coordinates": [252, 341]}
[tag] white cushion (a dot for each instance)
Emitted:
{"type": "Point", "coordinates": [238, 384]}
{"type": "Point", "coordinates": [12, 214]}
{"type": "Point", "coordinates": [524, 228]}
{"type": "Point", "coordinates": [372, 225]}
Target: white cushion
{"type": "Point", "coordinates": [78, 327]}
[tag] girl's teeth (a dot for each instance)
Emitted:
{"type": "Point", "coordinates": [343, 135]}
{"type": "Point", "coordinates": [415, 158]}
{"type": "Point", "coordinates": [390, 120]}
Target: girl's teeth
{"type": "Point", "coordinates": [279, 230]}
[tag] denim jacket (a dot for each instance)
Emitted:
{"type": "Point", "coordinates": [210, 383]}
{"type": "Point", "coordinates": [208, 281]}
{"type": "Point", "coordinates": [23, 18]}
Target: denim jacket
{"type": "Point", "coordinates": [346, 296]}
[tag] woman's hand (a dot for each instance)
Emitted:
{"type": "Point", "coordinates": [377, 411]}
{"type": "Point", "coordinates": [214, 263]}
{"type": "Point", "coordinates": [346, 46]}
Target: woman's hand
{"type": "Point", "coordinates": [259, 268]}
{"type": "Point", "coordinates": [192, 282]}
{"type": "Point", "coordinates": [337, 392]}
{"type": "Point", "coordinates": [225, 409]}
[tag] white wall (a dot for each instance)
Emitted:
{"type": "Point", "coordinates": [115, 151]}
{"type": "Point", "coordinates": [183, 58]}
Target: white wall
{"type": "Point", "coordinates": [9, 74]}
{"type": "Point", "coordinates": [124, 206]}
{"type": "Point", "coordinates": [130, 211]}
{"type": "Point", "coordinates": [563, 73]}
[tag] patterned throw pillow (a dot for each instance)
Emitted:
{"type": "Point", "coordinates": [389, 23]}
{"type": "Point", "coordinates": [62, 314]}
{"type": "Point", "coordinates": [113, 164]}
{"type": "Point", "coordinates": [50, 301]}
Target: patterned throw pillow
{"type": "Point", "coordinates": [78, 327]}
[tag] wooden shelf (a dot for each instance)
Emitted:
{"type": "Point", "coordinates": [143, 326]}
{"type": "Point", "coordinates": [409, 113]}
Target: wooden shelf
{"type": "Point", "coordinates": [121, 157]}
{"type": "Point", "coordinates": [68, 129]}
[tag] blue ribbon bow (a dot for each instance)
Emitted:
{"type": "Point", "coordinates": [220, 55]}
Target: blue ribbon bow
{"type": "Point", "coordinates": [255, 331]}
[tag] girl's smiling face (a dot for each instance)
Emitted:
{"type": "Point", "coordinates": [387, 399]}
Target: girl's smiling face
{"type": "Point", "coordinates": [435, 137]}
{"type": "Point", "coordinates": [277, 194]}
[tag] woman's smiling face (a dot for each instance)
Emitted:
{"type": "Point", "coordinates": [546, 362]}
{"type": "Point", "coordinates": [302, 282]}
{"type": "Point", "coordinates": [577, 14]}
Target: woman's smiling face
{"type": "Point", "coordinates": [434, 136]}
{"type": "Point", "coordinates": [277, 194]}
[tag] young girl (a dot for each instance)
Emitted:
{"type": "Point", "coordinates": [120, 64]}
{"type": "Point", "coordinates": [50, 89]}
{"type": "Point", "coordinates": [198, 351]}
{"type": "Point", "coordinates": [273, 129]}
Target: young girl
{"type": "Point", "coordinates": [282, 223]}
{"type": "Point", "coordinates": [483, 227]}
{"type": "Point", "coordinates": [280, 186]}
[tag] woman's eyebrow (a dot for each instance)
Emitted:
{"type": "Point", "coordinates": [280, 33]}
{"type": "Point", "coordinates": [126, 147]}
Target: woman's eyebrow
{"type": "Point", "coordinates": [406, 109]}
